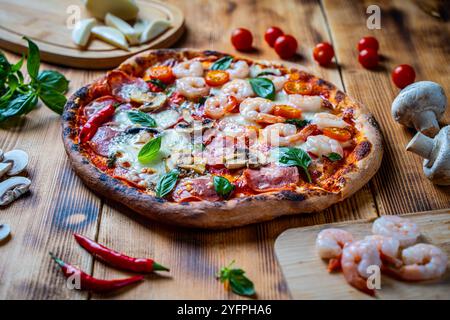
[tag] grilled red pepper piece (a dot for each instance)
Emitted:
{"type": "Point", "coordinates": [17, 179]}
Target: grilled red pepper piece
{"type": "Point", "coordinates": [117, 259]}
{"type": "Point", "coordinates": [91, 126]}
{"type": "Point", "coordinates": [90, 283]}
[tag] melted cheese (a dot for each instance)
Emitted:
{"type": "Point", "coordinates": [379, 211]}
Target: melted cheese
{"type": "Point", "coordinates": [166, 118]}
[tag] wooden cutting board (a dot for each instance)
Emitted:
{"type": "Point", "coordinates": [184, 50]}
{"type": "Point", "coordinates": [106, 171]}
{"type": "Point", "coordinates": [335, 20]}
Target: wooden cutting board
{"type": "Point", "coordinates": [45, 21]}
{"type": "Point", "coordinates": [307, 277]}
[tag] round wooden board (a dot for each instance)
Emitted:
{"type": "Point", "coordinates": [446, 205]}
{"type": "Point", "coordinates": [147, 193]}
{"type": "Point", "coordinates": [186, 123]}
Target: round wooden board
{"type": "Point", "coordinates": [45, 22]}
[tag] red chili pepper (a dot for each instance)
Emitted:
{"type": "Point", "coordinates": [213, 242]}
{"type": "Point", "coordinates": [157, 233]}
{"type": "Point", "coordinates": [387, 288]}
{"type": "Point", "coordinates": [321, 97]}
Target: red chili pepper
{"type": "Point", "coordinates": [91, 126]}
{"type": "Point", "coordinates": [90, 283]}
{"type": "Point", "coordinates": [117, 259]}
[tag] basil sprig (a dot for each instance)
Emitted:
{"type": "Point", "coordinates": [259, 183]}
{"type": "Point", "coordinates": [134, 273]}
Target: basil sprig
{"type": "Point", "coordinates": [333, 156]}
{"type": "Point", "coordinates": [299, 123]}
{"type": "Point", "coordinates": [166, 183]}
{"type": "Point", "coordinates": [139, 117]}
{"type": "Point", "coordinates": [18, 97]}
{"type": "Point", "coordinates": [263, 87]}
{"type": "Point", "coordinates": [222, 186]}
{"type": "Point", "coordinates": [222, 64]}
{"type": "Point", "coordinates": [295, 157]}
{"type": "Point", "coordinates": [158, 83]}
{"type": "Point", "coordinates": [236, 279]}
{"type": "Point", "coordinates": [150, 150]}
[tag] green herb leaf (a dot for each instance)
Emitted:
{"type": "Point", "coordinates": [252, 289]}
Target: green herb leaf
{"type": "Point", "coordinates": [299, 123]}
{"type": "Point", "coordinates": [53, 99]}
{"type": "Point", "coordinates": [222, 186]}
{"type": "Point", "coordinates": [334, 156]}
{"type": "Point", "coordinates": [222, 64]}
{"type": "Point", "coordinates": [53, 80]}
{"type": "Point", "coordinates": [295, 157]}
{"type": "Point", "coordinates": [111, 161]}
{"type": "Point", "coordinates": [166, 183]}
{"type": "Point", "coordinates": [263, 87]}
{"type": "Point", "coordinates": [158, 83]}
{"type": "Point", "coordinates": [16, 67]}
{"type": "Point", "coordinates": [150, 150]}
{"type": "Point", "coordinates": [237, 280]}
{"type": "Point", "coordinates": [266, 73]}
{"type": "Point", "coordinates": [139, 117]}
{"type": "Point", "coordinates": [20, 104]}
{"type": "Point", "coordinates": [33, 59]}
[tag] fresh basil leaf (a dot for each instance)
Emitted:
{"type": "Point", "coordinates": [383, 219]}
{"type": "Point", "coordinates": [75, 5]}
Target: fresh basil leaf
{"type": "Point", "coordinates": [222, 64]}
{"type": "Point", "coordinates": [53, 80]}
{"type": "Point", "coordinates": [295, 157]}
{"type": "Point", "coordinates": [266, 73]}
{"type": "Point", "coordinates": [16, 67]}
{"type": "Point", "coordinates": [13, 81]}
{"type": "Point", "coordinates": [33, 59]}
{"type": "Point", "coordinates": [299, 123]}
{"type": "Point", "coordinates": [53, 99]}
{"type": "Point", "coordinates": [20, 104]}
{"type": "Point", "coordinates": [158, 83]}
{"type": "Point", "coordinates": [150, 150]}
{"type": "Point", "coordinates": [139, 117]}
{"type": "Point", "coordinates": [5, 66]}
{"type": "Point", "coordinates": [237, 280]}
{"type": "Point", "coordinates": [166, 183]}
{"type": "Point", "coordinates": [263, 87]}
{"type": "Point", "coordinates": [334, 156]}
{"type": "Point", "coordinates": [222, 186]}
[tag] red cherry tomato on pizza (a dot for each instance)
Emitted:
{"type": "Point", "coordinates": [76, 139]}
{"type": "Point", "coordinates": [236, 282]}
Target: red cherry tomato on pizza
{"type": "Point", "coordinates": [368, 58]}
{"type": "Point", "coordinates": [162, 73]}
{"type": "Point", "coordinates": [323, 53]}
{"type": "Point", "coordinates": [403, 75]}
{"type": "Point", "coordinates": [339, 134]}
{"type": "Point", "coordinates": [287, 112]}
{"type": "Point", "coordinates": [286, 46]}
{"type": "Point", "coordinates": [368, 43]}
{"type": "Point", "coordinates": [242, 39]}
{"type": "Point", "coordinates": [272, 35]}
{"type": "Point", "coordinates": [215, 78]}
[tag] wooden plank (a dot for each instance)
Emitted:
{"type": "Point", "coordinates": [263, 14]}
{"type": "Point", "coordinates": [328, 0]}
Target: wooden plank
{"type": "Point", "coordinates": [407, 35]}
{"type": "Point", "coordinates": [195, 256]}
{"type": "Point", "coordinates": [307, 276]}
{"type": "Point", "coordinates": [44, 220]}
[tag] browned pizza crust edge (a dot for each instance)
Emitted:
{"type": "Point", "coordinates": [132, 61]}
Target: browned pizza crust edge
{"type": "Point", "coordinates": [221, 214]}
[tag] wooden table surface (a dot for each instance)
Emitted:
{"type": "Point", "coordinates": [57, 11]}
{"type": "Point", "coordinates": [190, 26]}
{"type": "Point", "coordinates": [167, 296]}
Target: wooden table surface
{"type": "Point", "coordinates": [59, 204]}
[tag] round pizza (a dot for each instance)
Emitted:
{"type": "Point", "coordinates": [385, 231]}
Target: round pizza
{"type": "Point", "coordinates": [210, 140]}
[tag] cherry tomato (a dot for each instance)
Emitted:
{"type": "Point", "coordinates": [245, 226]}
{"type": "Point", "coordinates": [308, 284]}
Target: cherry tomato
{"type": "Point", "coordinates": [286, 46]}
{"type": "Point", "coordinates": [339, 134]}
{"type": "Point", "coordinates": [368, 58]}
{"type": "Point", "coordinates": [215, 78]}
{"type": "Point", "coordinates": [368, 43]}
{"type": "Point", "coordinates": [403, 75]}
{"type": "Point", "coordinates": [297, 87]}
{"type": "Point", "coordinates": [287, 112]}
{"type": "Point", "coordinates": [323, 53]}
{"type": "Point", "coordinates": [272, 35]}
{"type": "Point", "coordinates": [232, 105]}
{"type": "Point", "coordinates": [242, 39]}
{"type": "Point", "coordinates": [162, 73]}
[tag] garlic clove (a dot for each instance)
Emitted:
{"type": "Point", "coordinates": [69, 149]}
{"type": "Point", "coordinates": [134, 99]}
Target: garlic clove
{"type": "Point", "coordinates": [140, 25]}
{"type": "Point", "coordinates": [124, 9]}
{"type": "Point", "coordinates": [18, 158]}
{"type": "Point", "coordinates": [5, 231]}
{"type": "Point", "coordinates": [115, 22]}
{"type": "Point", "coordinates": [111, 35]}
{"type": "Point", "coordinates": [82, 31]}
{"type": "Point", "coordinates": [154, 29]}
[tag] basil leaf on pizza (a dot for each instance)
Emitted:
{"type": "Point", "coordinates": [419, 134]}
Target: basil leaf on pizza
{"type": "Point", "coordinates": [222, 186]}
{"type": "Point", "coordinates": [299, 123]}
{"type": "Point", "coordinates": [295, 157]}
{"type": "Point", "coordinates": [333, 156]}
{"type": "Point", "coordinates": [222, 64]}
{"type": "Point", "coordinates": [150, 150]}
{"type": "Point", "coordinates": [166, 183]}
{"type": "Point", "coordinates": [139, 117]}
{"type": "Point", "coordinates": [263, 87]}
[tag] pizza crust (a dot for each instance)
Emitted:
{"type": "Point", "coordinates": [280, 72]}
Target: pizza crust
{"type": "Point", "coordinates": [221, 214]}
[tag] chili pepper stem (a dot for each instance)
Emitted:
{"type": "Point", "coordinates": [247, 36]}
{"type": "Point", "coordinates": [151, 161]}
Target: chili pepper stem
{"type": "Point", "coordinates": [57, 260]}
{"type": "Point", "coordinates": [158, 267]}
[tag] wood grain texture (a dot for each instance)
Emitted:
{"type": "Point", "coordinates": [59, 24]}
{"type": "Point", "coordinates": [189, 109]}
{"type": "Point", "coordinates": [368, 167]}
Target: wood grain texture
{"type": "Point", "coordinates": [307, 276]}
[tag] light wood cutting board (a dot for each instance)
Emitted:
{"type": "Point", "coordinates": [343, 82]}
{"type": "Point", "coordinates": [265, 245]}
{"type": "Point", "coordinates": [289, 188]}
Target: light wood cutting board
{"type": "Point", "coordinates": [307, 277]}
{"type": "Point", "coordinates": [45, 21]}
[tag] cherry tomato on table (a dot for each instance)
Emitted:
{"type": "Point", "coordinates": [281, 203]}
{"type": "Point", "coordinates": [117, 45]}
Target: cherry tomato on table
{"type": "Point", "coordinates": [242, 39]}
{"type": "Point", "coordinates": [403, 75]}
{"type": "Point", "coordinates": [215, 78]}
{"type": "Point", "coordinates": [368, 58]}
{"type": "Point", "coordinates": [162, 73]}
{"type": "Point", "coordinates": [323, 53]}
{"type": "Point", "coordinates": [368, 43]}
{"type": "Point", "coordinates": [272, 35]}
{"type": "Point", "coordinates": [286, 46]}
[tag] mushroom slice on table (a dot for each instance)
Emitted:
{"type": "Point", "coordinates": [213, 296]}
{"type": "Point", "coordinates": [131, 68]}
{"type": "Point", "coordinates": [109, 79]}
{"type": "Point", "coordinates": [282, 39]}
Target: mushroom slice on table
{"type": "Point", "coordinates": [19, 160]}
{"type": "Point", "coordinates": [436, 153]}
{"type": "Point", "coordinates": [5, 230]}
{"type": "Point", "coordinates": [5, 167]}
{"type": "Point", "coordinates": [420, 105]}
{"type": "Point", "coordinates": [13, 188]}
{"type": "Point", "coordinates": [1, 155]}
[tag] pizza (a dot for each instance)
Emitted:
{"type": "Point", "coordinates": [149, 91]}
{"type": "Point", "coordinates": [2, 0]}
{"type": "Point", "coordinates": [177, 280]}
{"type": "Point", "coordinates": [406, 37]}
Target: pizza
{"type": "Point", "coordinates": [210, 140]}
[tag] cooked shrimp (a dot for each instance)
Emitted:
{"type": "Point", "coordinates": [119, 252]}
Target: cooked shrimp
{"type": "Point", "coordinates": [238, 88]}
{"type": "Point", "coordinates": [281, 134]}
{"type": "Point", "coordinates": [217, 106]}
{"type": "Point", "coordinates": [324, 120]}
{"type": "Point", "coordinates": [191, 68]}
{"type": "Point", "coordinates": [402, 229]}
{"type": "Point", "coordinates": [306, 103]}
{"type": "Point", "coordinates": [322, 146]}
{"type": "Point", "coordinates": [278, 81]}
{"type": "Point", "coordinates": [357, 257]}
{"type": "Point", "coordinates": [422, 262]}
{"type": "Point", "coordinates": [387, 247]}
{"type": "Point", "coordinates": [329, 244]}
{"type": "Point", "coordinates": [258, 109]}
{"type": "Point", "coordinates": [192, 87]}
{"type": "Point", "coordinates": [238, 70]}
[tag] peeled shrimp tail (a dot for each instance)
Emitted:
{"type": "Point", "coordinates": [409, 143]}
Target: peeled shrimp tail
{"type": "Point", "coordinates": [355, 280]}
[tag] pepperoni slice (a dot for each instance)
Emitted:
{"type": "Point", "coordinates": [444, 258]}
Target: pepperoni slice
{"type": "Point", "coordinates": [196, 189]}
{"type": "Point", "coordinates": [97, 105]}
{"type": "Point", "coordinates": [271, 178]}
{"type": "Point", "coordinates": [101, 140]}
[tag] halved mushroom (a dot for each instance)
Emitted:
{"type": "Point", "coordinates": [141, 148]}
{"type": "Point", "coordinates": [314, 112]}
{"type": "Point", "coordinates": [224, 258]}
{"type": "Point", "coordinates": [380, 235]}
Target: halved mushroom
{"type": "Point", "coordinates": [12, 189]}
{"type": "Point", "coordinates": [5, 167]}
{"type": "Point", "coordinates": [18, 158]}
{"type": "Point", "coordinates": [5, 230]}
{"type": "Point", "coordinates": [1, 155]}
{"type": "Point", "coordinates": [151, 101]}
